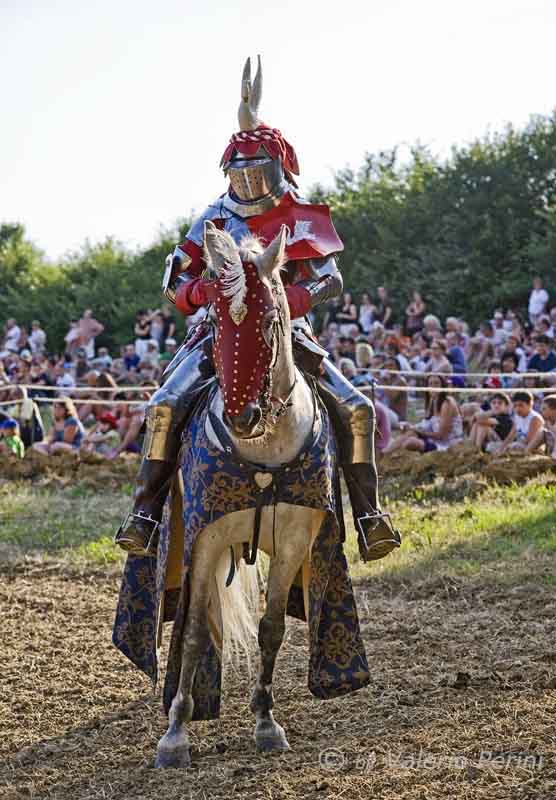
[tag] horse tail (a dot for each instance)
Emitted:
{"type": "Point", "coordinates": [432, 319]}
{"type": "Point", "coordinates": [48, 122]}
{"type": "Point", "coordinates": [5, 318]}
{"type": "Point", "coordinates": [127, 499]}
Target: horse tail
{"type": "Point", "coordinates": [239, 606]}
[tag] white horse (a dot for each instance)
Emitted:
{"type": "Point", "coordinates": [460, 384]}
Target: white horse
{"type": "Point", "coordinates": [270, 430]}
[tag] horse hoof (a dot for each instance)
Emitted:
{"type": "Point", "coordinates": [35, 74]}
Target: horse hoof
{"type": "Point", "coordinates": [174, 758]}
{"type": "Point", "coordinates": [271, 737]}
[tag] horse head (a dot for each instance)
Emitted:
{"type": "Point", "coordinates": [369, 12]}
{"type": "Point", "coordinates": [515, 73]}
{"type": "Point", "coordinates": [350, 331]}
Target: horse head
{"type": "Point", "coordinates": [252, 341]}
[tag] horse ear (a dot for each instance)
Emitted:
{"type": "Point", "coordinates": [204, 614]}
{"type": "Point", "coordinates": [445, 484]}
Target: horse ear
{"type": "Point", "coordinates": [219, 248]}
{"type": "Point", "coordinates": [274, 257]}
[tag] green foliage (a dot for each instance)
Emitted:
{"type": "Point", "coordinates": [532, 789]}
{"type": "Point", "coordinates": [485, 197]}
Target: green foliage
{"type": "Point", "coordinates": [469, 232]}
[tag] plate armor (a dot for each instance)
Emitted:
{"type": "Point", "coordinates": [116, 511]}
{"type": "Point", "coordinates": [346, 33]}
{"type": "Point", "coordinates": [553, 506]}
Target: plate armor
{"type": "Point", "coordinates": [260, 165]}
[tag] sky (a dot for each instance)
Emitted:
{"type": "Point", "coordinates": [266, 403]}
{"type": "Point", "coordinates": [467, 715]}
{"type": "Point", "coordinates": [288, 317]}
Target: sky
{"type": "Point", "coordinates": [115, 113]}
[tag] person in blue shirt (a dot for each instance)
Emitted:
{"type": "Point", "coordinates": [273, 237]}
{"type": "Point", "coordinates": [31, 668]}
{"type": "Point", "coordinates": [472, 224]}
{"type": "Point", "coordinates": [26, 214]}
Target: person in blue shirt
{"type": "Point", "coordinates": [456, 357]}
{"type": "Point", "coordinates": [544, 359]}
{"type": "Point", "coordinates": [131, 359]}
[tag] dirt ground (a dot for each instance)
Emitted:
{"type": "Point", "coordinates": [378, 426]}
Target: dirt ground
{"type": "Point", "coordinates": [462, 702]}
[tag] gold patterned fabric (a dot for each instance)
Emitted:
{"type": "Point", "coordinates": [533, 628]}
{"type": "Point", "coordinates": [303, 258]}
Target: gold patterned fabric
{"type": "Point", "coordinates": [213, 485]}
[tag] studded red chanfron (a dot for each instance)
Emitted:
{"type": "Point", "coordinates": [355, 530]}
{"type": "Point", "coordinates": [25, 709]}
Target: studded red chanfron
{"type": "Point", "coordinates": [242, 357]}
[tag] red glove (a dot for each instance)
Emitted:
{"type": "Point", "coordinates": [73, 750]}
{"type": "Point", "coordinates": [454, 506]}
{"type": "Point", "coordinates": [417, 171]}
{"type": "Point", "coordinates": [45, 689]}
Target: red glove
{"type": "Point", "coordinates": [191, 296]}
{"type": "Point", "coordinates": [299, 301]}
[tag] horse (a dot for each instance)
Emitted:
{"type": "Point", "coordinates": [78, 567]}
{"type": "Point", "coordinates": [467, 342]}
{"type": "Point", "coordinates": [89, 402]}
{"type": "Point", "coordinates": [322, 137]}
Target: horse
{"type": "Point", "coordinates": [264, 413]}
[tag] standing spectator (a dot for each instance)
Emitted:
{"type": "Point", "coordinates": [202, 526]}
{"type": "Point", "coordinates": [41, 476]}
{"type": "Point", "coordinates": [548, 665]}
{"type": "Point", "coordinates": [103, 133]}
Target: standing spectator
{"type": "Point", "coordinates": [366, 313]}
{"type": "Point", "coordinates": [383, 311]}
{"type": "Point", "coordinates": [142, 330]}
{"type": "Point", "coordinates": [12, 332]}
{"type": "Point", "coordinates": [89, 329]}
{"type": "Point", "coordinates": [72, 337]}
{"type": "Point", "coordinates": [414, 315]}
{"type": "Point", "coordinates": [157, 328]}
{"type": "Point", "coordinates": [169, 329]}
{"type": "Point", "coordinates": [544, 359]}
{"type": "Point", "coordinates": [347, 314]}
{"type": "Point", "coordinates": [537, 300]}
{"type": "Point", "coordinates": [37, 339]}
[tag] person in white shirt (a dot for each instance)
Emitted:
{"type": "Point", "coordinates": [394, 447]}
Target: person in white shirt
{"type": "Point", "coordinates": [11, 337]}
{"type": "Point", "coordinates": [527, 425]}
{"type": "Point", "coordinates": [537, 300]}
{"type": "Point", "coordinates": [37, 338]}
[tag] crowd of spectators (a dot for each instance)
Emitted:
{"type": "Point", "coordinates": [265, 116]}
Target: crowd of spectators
{"type": "Point", "coordinates": [97, 398]}
{"type": "Point", "coordinates": [409, 359]}
{"type": "Point", "coordinates": [397, 354]}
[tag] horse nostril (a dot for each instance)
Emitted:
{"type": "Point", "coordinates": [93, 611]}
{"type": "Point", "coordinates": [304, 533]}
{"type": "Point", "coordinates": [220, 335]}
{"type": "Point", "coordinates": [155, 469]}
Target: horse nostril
{"type": "Point", "coordinates": [247, 420]}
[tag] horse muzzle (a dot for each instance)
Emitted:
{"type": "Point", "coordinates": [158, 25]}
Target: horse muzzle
{"type": "Point", "coordinates": [245, 424]}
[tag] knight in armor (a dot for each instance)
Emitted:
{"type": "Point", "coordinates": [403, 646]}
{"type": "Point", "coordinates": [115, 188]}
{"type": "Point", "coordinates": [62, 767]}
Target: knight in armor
{"type": "Point", "coordinates": [260, 165]}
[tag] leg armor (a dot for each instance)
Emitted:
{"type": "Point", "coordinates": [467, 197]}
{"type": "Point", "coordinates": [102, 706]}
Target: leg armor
{"type": "Point", "coordinates": [165, 418]}
{"type": "Point", "coordinates": [353, 419]}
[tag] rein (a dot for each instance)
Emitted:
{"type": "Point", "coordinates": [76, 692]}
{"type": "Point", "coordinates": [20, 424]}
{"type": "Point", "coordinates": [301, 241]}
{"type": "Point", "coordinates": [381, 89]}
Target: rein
{"type": "Point", "coordinates": [267, 479]}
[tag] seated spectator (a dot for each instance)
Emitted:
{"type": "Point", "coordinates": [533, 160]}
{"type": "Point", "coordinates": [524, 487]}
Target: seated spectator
{"type": "Point", "coordinates": [544, 359]}
{"type": "Point", "coordinates": [513, 346]}
{"type": "Point", "coordinates": [131, 358]}
{"type": "Point", "coordinates": [64, 377]}
{"type": "Point", "coordinates": [534, 381]}
{"type": "Point", "coordinates": [103, 360]}
{"type": "Point", "coordinates": [493, 380]}
{"type": "Point", "coordinates": [456, 357]}
{"type": "Point", "coordinates": [509, 368]}
{"type": "Point", "coordinates": [103, 438]}
{"type": "Point", "coordinates": [383, 430]}
{"type": "Point", "coordinates": [527, 425]}
{"type": "Point", "coordinates": [170, 350]}
{"type": "Point", "coordinates": [10, 440]}
{"type": "Point", "coordinates": [442, 426]}
{"type": "Point", "coordinates": [131, 420]}
{"type": "Point", "coordinates": [432, 327]}
{"type": "Point", "coordinates": [490, 429]}
{"type": "Point", "coordinates": [345, 348]}
{"type": "Point", "coordinates": [438, 360]}
{"type": "Point", "coordinates": [347, 368]}
{"type": "Point", "coordinates": [67, 432]}
{"type": "Point", "coordinates": [548, 434]}
{"type": "Point", "coordinates": [395, 398]}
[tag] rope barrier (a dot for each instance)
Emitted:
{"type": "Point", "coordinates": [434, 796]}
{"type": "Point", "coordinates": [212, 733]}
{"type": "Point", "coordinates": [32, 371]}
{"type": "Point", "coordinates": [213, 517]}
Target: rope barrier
{"type": "Point", "coordinates": [453, 374]}
{"type": "Point", "coordinates": [456, 390]}
{"type": "Point", "coordinates": [76, 402]}
{"type": "Point", "coordinates": [91, 389]}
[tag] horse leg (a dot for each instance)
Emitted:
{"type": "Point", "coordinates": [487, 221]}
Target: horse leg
{"type": "Point", "coordinates": [299, 528]}
{"type": "Point", "coordinates": [173, 747]}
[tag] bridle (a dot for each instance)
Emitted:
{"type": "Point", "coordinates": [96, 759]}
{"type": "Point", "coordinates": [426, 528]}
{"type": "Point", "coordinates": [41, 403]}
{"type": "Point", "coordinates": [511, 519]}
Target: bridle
{"type": "Point", "coordinates": [272, 406]}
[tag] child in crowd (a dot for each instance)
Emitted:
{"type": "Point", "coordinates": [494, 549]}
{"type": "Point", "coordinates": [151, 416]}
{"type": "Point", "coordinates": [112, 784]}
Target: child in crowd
{"type": "Point", "coordinates": [547, 435]}
{"type": "Point", "coordinates": [104, 437]}
{"type": "Point", "coordinates": [10, 440]}
{"type": "Point", "coordinates": [527, 425]}
{"type": "Point", "coordinates": [490, 429]}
